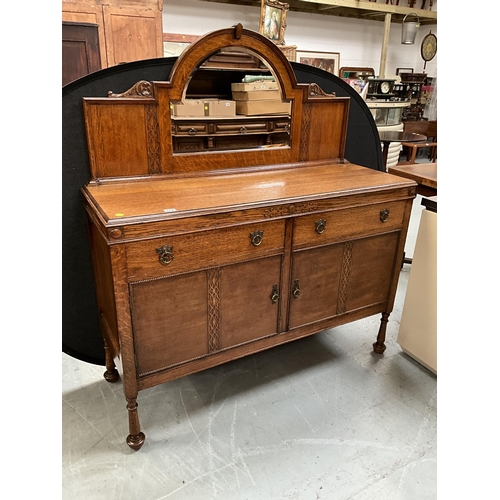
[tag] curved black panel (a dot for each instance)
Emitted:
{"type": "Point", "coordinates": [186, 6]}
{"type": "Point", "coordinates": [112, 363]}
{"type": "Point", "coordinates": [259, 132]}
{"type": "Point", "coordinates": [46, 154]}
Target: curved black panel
{"type": "Point", "coordinates": [81, 336]}
{"type": "Point", "coordinates": [363, 143]}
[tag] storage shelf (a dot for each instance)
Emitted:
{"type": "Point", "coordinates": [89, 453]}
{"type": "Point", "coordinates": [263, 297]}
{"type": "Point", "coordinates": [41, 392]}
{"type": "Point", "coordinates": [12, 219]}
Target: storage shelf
{"type": "Point", "coordinates": [357, 9]}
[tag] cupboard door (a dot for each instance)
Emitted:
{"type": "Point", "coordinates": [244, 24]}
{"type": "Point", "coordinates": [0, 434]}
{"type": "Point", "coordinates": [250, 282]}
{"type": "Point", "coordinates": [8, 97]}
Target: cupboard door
{"type": "Point", "coordinates": [247, 309]}
{"type": "Point", "coordinates": [373, 264]}
{"type": "Point", "coordinates": [80, 51]}
{"type": "Point", "coordinates": [169, 320]}
{"type": "Point", "coordinates": [132, 34]}
{"type": "Point", "coordinates": [339, 278]}
{"type": "Point", "coordinates": [314, 284]}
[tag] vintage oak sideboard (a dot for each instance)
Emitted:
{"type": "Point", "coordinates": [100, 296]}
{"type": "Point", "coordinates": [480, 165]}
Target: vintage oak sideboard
{"type": "Point", "coordinates": [203, 257]}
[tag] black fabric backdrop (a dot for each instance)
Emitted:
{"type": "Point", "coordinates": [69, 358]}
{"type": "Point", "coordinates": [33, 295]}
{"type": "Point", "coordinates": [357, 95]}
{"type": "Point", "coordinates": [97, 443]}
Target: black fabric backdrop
{"type": "Point", "coordinates": [81, 336]}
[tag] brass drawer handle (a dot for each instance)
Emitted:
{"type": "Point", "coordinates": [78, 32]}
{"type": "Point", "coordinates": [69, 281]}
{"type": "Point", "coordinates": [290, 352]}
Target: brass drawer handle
{"type": "Point", "coordinates": [274, 294]}
{"type": "Point", "coordinates": [296, 289]}
{"type": "Point", "coordinates": [320, 226]}
{"type": "Point", "coordinates": [192, 131]}
{"type": "Point", "coordinates": [256, 238]}
{"type": "Point", "coordinates": [384, 214]}
{"type": "Point", "coordinates": [243, 130]}
{"type": "Point", "coordinates": [165, 254]}
{"type": "Point", "coordinates": [287, 128]}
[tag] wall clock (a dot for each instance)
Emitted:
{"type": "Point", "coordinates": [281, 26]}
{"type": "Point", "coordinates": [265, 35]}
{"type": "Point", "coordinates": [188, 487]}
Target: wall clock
{"type": "Point", "coordinates": [428, 48]}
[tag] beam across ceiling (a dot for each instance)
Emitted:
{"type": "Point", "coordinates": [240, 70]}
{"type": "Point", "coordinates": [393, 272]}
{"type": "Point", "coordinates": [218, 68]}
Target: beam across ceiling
{"type": "Point", "coordinates": [358, 9]}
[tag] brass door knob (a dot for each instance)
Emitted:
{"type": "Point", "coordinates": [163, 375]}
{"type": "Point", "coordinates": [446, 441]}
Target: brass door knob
{"type": "Point", "coordinates": [256, 238]}
{"type": "Point", "coordinates": [165, 254]}
{"type": "Point", "coordinates": [384, 214]}
{"type": "Point", "coordinates": [274, 294]}
{"type": "Point", "coordinates": [320, 225]}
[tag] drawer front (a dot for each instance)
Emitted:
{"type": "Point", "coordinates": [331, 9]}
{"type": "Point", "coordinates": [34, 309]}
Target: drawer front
{"type": "Point", "coordinates": [185, 144]}
{"type": "Point", "coordinates": [241, 127]}
{"type": "Point", "coordinates": [184, 253]}
{"type": "Point", "coordinates": [190, 128]}
{"type": "Point", "coordinates": [281, 126]}
{"type": "Point", "coordinates": [339, 225]}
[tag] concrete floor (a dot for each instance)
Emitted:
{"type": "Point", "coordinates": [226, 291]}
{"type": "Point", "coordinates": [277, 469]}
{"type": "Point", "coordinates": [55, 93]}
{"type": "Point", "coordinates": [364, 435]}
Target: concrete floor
{"type": "Point", "coordinates": [320, 418]}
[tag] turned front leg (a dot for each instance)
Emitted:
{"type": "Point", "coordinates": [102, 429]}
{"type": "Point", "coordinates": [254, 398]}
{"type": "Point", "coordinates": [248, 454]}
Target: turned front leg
{"type": "Point", "coordinates": [379, 346]}
{"type": "Point", "coordinates": [136, 438]}
{"type": "Point", "coordinates": [111, 373]}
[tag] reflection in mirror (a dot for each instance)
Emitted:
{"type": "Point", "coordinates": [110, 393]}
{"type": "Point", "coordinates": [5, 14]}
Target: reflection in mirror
{"type": "Point", "coordinates": [232, 102]}
{"type": "Point", "coordinates": [174, 49]}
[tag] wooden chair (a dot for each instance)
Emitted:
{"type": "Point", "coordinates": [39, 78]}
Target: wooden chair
{"type": "Point", "coordinates": [427, 128]}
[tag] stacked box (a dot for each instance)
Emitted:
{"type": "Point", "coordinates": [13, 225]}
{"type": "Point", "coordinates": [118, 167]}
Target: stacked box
{"type": "Point", "coordinates": [219, 107]}
{"type": "Point", "coordinates": [259, 98]}
{"type": "Point", "coordinates": [250, 108]}
{"type": "Point", "coordinates": [262, 85]}
{"type": "Point", "coordinates": [188, 107]}
{"type": "Point", "coordinates": [257, 95]}
{"type": "Point", "coordinates": [204, 107]}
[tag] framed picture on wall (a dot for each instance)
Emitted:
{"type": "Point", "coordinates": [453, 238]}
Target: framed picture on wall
{"type": "Point", "coordinates": [273, 20]}
{"type": "Point", "coordinates": [328, 61]}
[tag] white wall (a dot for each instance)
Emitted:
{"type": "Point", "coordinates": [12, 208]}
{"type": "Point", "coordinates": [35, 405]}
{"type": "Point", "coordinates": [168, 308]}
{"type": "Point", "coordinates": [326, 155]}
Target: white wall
{"type": "Point", "coordinates": [359, 42]}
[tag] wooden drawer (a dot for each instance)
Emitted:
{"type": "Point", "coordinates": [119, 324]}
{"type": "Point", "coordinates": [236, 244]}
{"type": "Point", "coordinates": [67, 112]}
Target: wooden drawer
{"type": "Point", "coordinates": [242, 127]}
{"type": "Point", "coordinates": [190, 128]}
{"type": "Point", "coordinates": [281, 126]}
{"type": "Point", "coordinates": [184, 253]}
{"type": "Point", "coordinates": [186, 144]}
{"type": "Point", "coordinates": [339, 225]}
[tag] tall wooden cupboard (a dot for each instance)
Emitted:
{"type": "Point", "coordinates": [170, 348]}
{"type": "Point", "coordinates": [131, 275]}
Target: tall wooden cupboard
{"type": "Point", "coordinates": [201, 257]}
{"type": "Point", "coordinates": [128, 30]}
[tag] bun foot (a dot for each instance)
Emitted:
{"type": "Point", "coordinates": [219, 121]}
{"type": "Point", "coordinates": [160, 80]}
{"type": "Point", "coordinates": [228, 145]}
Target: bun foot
{"type": "Point", "coordinates": [379, 348]}
{"type": "Point", "coordinates": [111, 375]}
{"type": "Point", "coordinates": [135, 442]}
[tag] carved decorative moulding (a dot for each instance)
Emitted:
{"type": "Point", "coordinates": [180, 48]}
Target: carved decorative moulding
{"type": "Point", "coordinates": [316, 91]}
{"type": "Point", "coordinates": [142, 88]}
{"type": "Point", "coordinates": [299, 208]}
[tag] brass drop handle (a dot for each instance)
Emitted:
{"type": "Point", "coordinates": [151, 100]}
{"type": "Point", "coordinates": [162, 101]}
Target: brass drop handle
{"type": "Point", "coordinates": [296, 289]}
{"type": "Point", "coordinates": [192, 131]}
{"type": "Point", "coordinates": [384, 214]}
{"type": "Point", "coordinates": [320, 225]}
{"type": "Point", "coordinates": [274, 294]}
{"type": "Point", "coordinates": [243, 130]}
{"type": "Point", "coordinates": [287, 128]}
{"type": "Point", "coordinates": [256, 238]}
{"type": "Point", "coordinates": [165, 254]}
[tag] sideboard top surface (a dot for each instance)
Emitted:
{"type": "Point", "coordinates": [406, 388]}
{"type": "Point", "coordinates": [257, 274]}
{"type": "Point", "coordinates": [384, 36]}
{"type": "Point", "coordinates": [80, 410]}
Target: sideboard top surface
{"type": "Point", "coordinates": [173, 196]}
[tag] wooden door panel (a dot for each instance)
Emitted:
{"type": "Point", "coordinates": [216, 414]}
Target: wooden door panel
{"type": "Point", "coordinates": [371, 270]}
{"type": "Point", "coordinates": [83, 13]}
{"type": "Point", "coordinates": [80, 51]}
{"type": "Point", "coordinates": [132, 34]}
{"type": "Point", "coordinates": [169, 320]}
{"type": "Point", "coordinates": [318, 273]}
{"type": "Point", "coordinates": [246, 309]}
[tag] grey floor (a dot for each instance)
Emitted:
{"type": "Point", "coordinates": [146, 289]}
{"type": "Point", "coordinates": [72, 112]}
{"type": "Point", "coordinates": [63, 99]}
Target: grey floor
{"type": "Point", "coordinates": [320, 418]}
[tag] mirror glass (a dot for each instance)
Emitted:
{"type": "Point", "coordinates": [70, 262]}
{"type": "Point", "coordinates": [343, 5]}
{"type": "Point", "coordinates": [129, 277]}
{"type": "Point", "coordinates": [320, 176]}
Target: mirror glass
{"type": "Point", "coordinates": [232, 101]}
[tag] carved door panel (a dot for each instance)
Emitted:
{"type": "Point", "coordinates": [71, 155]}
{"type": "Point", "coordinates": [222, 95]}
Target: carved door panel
{"type": "Point", "coordinates": [80, 50]}
{"type": "Point", "coordinates": [169, 320]}
{"type": "Point", "coordinates": [371, 270]}
{"type": "Point", "coordinates": [249, 300]}
{"type": "Point", "coordinates": [335, 279]}
{"type": "Point", "coordinates": [315, 284]}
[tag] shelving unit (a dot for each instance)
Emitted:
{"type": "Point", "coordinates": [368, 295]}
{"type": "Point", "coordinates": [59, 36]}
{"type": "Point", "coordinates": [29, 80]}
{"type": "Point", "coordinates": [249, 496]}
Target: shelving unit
{"type": "Point", "coordinates": [358, 9]}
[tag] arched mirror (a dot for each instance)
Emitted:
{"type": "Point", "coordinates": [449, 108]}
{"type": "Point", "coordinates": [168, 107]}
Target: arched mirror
{"type": "Point", "coordinates": [232, 101]}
